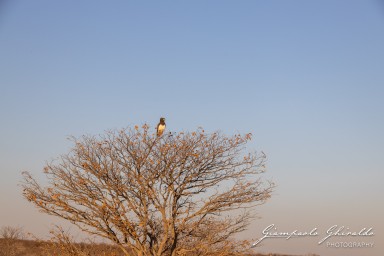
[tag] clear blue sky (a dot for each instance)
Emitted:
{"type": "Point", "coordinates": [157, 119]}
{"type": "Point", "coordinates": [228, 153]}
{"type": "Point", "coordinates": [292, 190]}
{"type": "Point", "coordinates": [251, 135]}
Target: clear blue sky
{"type": "Point", "coordinates": [305, 77]}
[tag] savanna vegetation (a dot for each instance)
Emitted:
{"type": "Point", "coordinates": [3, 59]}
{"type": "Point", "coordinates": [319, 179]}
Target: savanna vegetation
{"type": "Point", "coordinates": [61, 243]}
{"type": "Point", "coordinates": [185, 193]}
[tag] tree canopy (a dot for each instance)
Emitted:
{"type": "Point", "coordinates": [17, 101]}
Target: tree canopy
{"type": "Point", "coordinates": [184, 193]}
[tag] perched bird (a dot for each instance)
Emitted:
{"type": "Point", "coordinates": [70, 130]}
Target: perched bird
{"type": "Point", "coordinates": [161, 127]}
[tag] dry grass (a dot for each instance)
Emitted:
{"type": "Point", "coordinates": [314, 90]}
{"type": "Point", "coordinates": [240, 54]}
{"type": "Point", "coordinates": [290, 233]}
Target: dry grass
{"type": "Point", "coordinates": [61, 243]}
{"type": "Point", "coordinates": [17, 247]}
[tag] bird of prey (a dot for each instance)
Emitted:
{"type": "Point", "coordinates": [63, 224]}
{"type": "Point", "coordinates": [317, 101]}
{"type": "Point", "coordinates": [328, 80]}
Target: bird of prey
{"type": "Point", "coordinates": [161, 127]}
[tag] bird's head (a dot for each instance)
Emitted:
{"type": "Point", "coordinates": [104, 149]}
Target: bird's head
{"type": "Point", "coordinates": [162, 120]}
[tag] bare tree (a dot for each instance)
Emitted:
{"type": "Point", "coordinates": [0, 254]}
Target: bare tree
{"type": "Point", "coordinates": [180, 194]}
{"type": "Point", "coordinates": [13, 233]}
{"type": "Point", "coordinates": [10, 236]}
